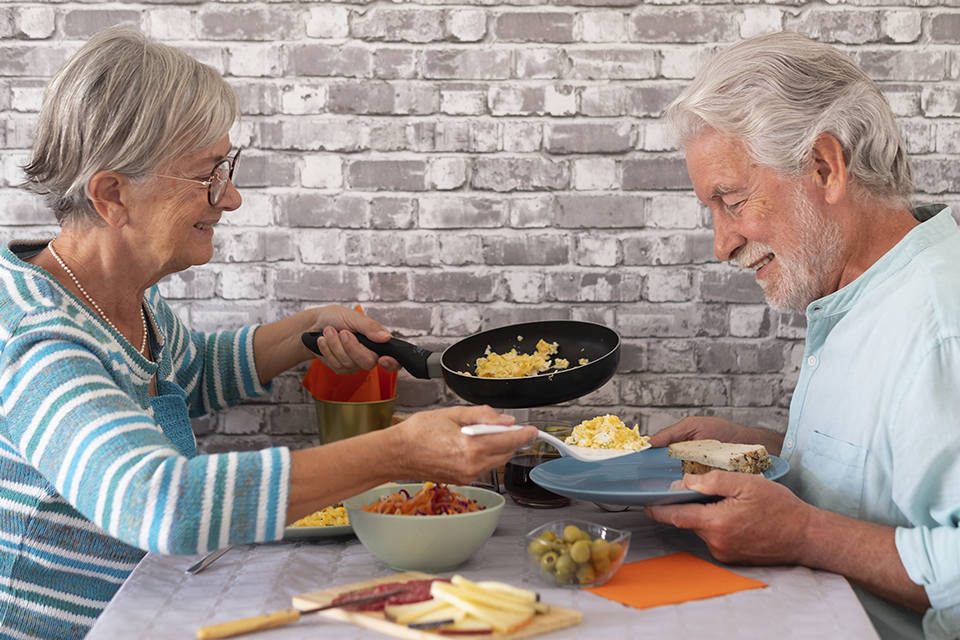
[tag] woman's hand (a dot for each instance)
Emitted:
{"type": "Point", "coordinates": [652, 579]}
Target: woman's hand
{"type": "Point", "coordinates": [341, 350]}
{"type": "Point", "coordinates": [278, 346]}
{"type": "Point", "coordinates": [425, 446]}
{"type": "Point", "coordinates": [433, 448]}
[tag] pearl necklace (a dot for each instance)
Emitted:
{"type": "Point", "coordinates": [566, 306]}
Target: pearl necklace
{"type": "Point", "coordinates": [143, 317]}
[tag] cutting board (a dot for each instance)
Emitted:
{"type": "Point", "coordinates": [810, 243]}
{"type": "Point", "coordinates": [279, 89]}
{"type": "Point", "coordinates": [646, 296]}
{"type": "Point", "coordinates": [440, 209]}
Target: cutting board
{"type": "Point", "coordinates": [556, 618]}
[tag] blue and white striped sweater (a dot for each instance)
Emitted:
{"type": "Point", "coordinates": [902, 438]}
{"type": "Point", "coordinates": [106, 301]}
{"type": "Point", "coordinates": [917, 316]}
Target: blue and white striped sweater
{"type": "Point", "coordinates": [88, 479]}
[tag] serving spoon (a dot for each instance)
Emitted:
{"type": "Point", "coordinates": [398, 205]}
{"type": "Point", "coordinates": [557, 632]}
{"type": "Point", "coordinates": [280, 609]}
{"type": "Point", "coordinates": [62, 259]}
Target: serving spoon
{"type": "Point", "coordinates": [584, 454]}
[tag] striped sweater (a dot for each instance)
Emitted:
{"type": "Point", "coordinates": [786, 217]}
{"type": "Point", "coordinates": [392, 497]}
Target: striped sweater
{"type": "Point", "coordinates": [89, 481]}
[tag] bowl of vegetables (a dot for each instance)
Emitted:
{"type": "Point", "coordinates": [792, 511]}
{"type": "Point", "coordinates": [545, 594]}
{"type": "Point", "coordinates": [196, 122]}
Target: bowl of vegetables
{"type": "Point", "coordinates": [424, 527]}
{"type": "Point", "coordinates": [576, 554]}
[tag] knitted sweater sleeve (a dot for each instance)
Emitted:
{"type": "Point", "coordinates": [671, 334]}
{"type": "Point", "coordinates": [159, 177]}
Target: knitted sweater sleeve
{"type": "Point", "coordinates": [65, 413]}
{"type": "Point", "coordinates": [216, 369]}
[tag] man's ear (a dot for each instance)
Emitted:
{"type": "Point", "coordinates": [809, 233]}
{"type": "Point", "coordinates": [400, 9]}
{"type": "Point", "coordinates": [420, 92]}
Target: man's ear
{"type": "Point", "coordinates": [830, 168]}
{"type": "Point", "coordinates": [108, 192]}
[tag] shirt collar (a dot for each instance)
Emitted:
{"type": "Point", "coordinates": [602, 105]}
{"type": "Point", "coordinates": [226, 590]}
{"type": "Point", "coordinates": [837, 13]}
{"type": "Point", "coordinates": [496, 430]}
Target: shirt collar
{"type": "Point", "coordinates": [937, 224]}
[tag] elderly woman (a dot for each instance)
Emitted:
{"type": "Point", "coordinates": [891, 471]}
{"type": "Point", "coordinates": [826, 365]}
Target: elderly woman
{"type": "Point", "coordinates": [99, 377]}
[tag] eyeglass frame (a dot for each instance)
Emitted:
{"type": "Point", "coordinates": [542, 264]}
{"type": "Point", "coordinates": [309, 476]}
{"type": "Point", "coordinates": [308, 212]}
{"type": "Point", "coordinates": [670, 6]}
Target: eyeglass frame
{"type": "Point", "coordinates": [208, 183]}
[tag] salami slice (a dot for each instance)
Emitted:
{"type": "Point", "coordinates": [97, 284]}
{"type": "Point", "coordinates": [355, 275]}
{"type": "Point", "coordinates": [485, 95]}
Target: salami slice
{"type": "Point", "coordinates": [413, 591]}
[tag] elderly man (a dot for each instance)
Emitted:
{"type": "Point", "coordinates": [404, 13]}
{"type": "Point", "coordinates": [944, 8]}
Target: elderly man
{"type": "Point", "coordinates": [798, 156]}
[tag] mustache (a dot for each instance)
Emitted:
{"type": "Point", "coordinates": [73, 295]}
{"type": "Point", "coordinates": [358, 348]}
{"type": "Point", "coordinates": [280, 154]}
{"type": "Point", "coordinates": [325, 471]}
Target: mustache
{"type": "Point", "coordinates": [751, 254]}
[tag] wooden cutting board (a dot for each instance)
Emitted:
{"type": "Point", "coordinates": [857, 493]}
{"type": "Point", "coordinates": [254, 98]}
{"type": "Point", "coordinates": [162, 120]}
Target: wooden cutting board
{"type": "Point", "coordinates": [556, 618]}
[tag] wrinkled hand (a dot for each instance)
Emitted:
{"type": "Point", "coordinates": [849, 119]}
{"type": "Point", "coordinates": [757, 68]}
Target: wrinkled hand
{"type": "Point", "coordinates": [341, 350]}
{"type": "Point", "coordinates": [759, 521]}
{"type": "Point", "coordinates": [433, 448]}
{"type": "Point", "coordinates": [697, 428]}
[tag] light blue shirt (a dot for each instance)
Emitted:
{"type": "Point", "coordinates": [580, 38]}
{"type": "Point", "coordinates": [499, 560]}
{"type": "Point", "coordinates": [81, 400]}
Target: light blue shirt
{"type": "Point", "coordinates": [874, 427]}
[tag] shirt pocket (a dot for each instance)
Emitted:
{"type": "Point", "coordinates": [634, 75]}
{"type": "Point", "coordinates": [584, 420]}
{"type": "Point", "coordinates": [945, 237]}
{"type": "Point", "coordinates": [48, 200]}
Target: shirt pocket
{"type": "Point", "coordinates": [832, 474]}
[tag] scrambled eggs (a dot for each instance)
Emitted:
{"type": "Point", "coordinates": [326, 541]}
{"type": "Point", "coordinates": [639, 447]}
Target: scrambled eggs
{"type": "Point", "coordinates": [520, 365]}
{"type": "Point", "coordinates": [327, 517]}
{"type": "Point", "coordinates": [607, 432]}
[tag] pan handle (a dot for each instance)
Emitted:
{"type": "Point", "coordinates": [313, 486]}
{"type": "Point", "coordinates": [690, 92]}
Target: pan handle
{"type": "Point", "coordinates": [419, 362]}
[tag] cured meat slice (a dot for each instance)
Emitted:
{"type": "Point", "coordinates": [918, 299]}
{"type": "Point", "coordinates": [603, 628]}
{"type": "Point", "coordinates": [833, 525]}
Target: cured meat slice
{"type": "Point", "coordinates": [413, 591]}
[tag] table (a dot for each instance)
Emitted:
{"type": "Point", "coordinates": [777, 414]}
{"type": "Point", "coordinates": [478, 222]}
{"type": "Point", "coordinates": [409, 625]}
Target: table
{"type": "Point", "coordinates": [161, 601]}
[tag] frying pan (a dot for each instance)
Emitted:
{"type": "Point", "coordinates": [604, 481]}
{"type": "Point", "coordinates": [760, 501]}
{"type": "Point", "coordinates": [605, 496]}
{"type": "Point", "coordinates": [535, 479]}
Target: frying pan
{"type": "Point", "coordinates": [598, 344]}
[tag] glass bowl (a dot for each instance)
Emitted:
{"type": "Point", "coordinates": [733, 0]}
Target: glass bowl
{"type": "Point", "coordinates": [576, 554]}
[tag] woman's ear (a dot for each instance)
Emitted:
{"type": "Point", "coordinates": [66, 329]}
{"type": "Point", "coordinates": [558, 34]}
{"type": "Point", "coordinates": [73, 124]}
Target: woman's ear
{"type": "Point", "coordinates": [830, 167]}
{"type": "Point", "coordinates": [108, 192]}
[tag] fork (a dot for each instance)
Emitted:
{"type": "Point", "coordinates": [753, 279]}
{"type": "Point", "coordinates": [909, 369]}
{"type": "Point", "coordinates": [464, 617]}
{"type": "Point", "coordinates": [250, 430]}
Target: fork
{"type": "Point", "coordinates": [207, 561]}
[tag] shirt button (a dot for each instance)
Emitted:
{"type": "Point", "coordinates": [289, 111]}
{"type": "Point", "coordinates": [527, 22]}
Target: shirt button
{"type": "Point", "coordinates": [789, 443]}
{"type": "Point", "coordinates": [812, 361]}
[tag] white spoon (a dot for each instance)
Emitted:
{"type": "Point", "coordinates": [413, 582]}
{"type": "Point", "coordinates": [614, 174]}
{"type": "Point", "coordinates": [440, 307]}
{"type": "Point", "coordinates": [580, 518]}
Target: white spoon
{"type": "Point", "coordinates": [585, 454]}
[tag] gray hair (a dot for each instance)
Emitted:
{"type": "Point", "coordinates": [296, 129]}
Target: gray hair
{"type": "Point", "coordinates": [123, 103]}
{"type": "Point", "coordinates": [778, 92]}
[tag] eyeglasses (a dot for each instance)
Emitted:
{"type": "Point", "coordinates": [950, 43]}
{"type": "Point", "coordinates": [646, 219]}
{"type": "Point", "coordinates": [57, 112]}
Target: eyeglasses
{"type": "Point", "coordinates": [216, 184]}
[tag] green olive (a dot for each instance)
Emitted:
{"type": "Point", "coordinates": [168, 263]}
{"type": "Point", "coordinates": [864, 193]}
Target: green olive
{"type": "Point", "coordinates": [538, 547]}
{"type": "Point", "coordinates": [548, 561]}
{"type": "Point", "coordinates": [599, 548]}
{"type": "Point", "coordinates": [601, 566]}
{"type": "Point", "coordinates": [566, 565]}
{"type": "Point", "coordinates": [615, 550]}
{"type": "Point", "coordinates": [565, 578]}
{"type": "Point", "coordinates": [586, 574]}
{"type": "Point", "coordinates": [549, 536]}
{"type": "Point", "coordinates": [580, 551]}
{"type": "Point", "coordinates": [572, 533]}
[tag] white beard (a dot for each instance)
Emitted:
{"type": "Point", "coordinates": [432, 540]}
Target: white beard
{"type": "Point", "coordinates": [804, 267]}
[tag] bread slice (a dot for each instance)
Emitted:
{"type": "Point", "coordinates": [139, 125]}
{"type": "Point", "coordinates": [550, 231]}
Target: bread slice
{"type": "Point", "coordinates": [701, 456]}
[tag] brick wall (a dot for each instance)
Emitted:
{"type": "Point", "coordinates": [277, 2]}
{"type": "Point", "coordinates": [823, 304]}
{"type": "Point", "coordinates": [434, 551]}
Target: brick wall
{"type": "Point", "coordinates": [456, 167]}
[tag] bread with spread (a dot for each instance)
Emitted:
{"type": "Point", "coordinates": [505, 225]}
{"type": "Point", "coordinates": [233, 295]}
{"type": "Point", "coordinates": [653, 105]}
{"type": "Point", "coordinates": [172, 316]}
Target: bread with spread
{"type": "Point", "coordinates": [701, 456]}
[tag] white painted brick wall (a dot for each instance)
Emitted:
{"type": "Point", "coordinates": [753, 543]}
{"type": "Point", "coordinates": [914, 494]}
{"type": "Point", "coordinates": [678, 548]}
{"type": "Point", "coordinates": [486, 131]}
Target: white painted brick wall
{"type": "Point", "coordinates": [457, 168]}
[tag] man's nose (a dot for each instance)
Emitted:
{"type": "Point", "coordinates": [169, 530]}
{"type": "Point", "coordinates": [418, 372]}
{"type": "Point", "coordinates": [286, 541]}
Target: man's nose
{"type": "Point", "coordinates": [726, 237]}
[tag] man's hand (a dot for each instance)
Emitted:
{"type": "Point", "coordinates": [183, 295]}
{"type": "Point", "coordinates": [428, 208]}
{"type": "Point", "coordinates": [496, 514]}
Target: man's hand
{"type": "Point", "coordinates": [702, 428]}
{"type": "Point", "coordinates": [762, 522]}
{"type": "Point", "coordinates": [758, 522]}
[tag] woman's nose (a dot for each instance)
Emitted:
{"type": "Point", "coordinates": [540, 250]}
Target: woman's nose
{"type": "Point", "coordinates": [231, 198]}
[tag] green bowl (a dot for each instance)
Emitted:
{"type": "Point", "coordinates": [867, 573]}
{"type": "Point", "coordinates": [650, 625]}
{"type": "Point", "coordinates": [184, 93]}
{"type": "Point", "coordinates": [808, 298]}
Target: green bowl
{"type": "Point", "coordinates": [424, 543]}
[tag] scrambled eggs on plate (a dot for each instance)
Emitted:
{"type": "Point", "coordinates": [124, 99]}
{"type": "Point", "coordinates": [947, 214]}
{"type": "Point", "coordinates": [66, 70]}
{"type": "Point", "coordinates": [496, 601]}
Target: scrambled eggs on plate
{"type": "Point", "coordinates": [607, 432]}
{"type": "Point", "coordinates": [327, 517]}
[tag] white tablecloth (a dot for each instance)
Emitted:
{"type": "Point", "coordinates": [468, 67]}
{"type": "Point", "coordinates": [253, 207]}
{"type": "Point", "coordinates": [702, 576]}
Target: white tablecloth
{"type": "Point", "coordinates": [161, 601]}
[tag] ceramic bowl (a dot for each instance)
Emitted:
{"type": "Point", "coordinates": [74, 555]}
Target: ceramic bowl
{"type": "Point", "coordinates": [433, 543]}
{"type": "Point", "coordinates": [575, 553]}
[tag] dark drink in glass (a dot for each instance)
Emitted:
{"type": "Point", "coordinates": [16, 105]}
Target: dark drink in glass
{"type": "Point", "coordinates": [516, 476]}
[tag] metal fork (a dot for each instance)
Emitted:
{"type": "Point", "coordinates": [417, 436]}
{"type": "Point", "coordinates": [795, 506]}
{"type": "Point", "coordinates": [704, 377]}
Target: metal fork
{"type": "Point", "coordinates": [207, 561]}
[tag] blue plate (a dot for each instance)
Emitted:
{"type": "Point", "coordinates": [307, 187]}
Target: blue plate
{"type": "Point", "coordinates": [637, 479]}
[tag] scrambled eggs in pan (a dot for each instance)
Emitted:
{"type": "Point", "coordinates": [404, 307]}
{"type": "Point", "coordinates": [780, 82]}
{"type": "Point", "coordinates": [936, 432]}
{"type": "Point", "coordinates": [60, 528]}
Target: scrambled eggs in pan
{"type": "Point", "coordinates": [521, 365]}
{"type": "Point", "coordinates": [607, 432]}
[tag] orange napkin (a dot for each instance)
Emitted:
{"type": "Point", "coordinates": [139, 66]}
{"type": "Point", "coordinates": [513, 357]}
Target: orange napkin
{"type": "Point", "coordinates": [671, 579]}
{"type": "Point", "coordinates": [363, 386]}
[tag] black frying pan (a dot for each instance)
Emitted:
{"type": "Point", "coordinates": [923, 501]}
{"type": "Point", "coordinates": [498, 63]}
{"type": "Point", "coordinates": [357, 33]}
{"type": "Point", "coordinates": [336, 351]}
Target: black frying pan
{"type": "Point", "coordinates": [575, 340]}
